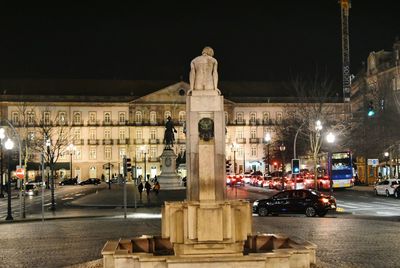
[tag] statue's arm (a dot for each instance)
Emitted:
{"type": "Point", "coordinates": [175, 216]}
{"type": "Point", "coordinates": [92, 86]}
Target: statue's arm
{"type": "Point", "coordinates": [192, 75]}
{"type": "Point", "coordinates": [215, 75]}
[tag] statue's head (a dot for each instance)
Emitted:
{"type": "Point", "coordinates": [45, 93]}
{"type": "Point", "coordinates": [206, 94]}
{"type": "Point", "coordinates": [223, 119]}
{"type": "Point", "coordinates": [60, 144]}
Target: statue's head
{"type": "Point", "coordinates": [208, 51]}
{"type": "Point", "coordinates": [169, 118]}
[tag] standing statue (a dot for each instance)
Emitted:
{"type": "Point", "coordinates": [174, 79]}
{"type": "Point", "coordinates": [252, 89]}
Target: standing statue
{"type": "Point", "coordinates": [169, 133]}
{"type": "Point", "coordinates": [203, 72]}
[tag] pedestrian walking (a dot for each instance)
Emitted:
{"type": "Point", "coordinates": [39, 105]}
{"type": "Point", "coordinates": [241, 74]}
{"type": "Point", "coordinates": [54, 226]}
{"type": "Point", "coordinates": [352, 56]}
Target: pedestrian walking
{"type": "Point", "coordinates": [156, 187]}
{"type": "Point", "coordinates": [140, 189]}
{"type": "Point", "coordinates": [148, 188]}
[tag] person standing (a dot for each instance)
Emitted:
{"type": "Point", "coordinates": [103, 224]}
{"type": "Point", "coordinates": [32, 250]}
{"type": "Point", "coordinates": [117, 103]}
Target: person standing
{"type": "Point", "coordinates": [156, 187]}
{"type": "Point", "coordinates": [147, 186]}
{"type": "Point", "coordinates": [140, 189]}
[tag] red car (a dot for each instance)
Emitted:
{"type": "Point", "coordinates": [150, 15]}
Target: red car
{"type": "Point", "coordinates": [234, 180]}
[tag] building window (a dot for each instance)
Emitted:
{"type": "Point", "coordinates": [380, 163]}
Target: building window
{"type": "Point", "coordinates": [46, 118]}
{"type": "Point", "coordinates": [254, 151]}
{"type": "Point", "coordinates": [122, 117]}
{"type": "Point", "coordinates": [239, 133]}
{"type": "Point", "coordinates": [253, 133]}
{"type": "Point", "coordinates": [279, 117]}
{"type": "Point", "coordinates": [31, 135]}
{"type": "Point", "coordinates": [122, 152]}
{"type": "Point", "coordinates": [239, 117]}
{"type": "Point", "coordinates": [107, 117]}
{"type": "Point", "coordinates": [166, 115]}
{"type": "Point", "coordinates": [253, 117]}
{"type": "Point", "coordinates": [92, 153]}
{"type": "Point", "coordinates": [107, 153]}
{"type": "Point", "coordinates": [77, 134]}
{"type": "Point", "coordinates": [92, 117]}
{"type": "Point", "coordinates": [153, 151]}
{"type": "Point", "coordinates": [121, 134]}
{"type": "Point", "coordinates": [15, 118]}
{"type": "Point", "coordinates": [78, 153]}
{"type": "Point", "coordinates": [31, 118]}
{"type": "Point", "coordinates": [139, 134]}
{"type": "Point", "coordinates": [138, 117]}
{"type": "Point", "coordinates": [153, 134]}
{"type": "Point", "coordinates": [77, 117]}
{"type": "Point", "coordinates": [240, 151]}
{"type": "Point", "coordinates": [92, 134]}
{"type": "Point", "coordinates": [62, 117]}
{"type": "Point", "coordinates": [182, 116]}
{"type": "Point", "coordinates": [266, 117]}
{"type": "Point", "coordinates": [107, 133]}
{"type": "Point", "coordinates": [153, 117]}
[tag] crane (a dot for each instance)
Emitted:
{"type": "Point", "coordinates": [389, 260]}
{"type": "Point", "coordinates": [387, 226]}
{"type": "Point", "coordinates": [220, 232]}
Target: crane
{"type": "Point", "coordinates": [345, 5]}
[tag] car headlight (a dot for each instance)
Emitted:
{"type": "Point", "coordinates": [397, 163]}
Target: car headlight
{"type": "Point", "coordinates": [255, 203]}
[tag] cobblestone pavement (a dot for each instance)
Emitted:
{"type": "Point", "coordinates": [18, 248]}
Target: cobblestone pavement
{"type": "Point", "coordinates": [342, 242]}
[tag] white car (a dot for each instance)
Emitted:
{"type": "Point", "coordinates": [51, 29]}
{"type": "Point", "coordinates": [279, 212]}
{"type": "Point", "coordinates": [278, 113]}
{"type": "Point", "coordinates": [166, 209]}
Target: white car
{"type": "Point", "coordinates": [386, 187]}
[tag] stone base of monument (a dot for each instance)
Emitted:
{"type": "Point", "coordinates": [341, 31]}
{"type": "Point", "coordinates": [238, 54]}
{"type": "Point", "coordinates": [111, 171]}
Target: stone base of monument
{"type": "Point", "coordinates": [261, 250]}
{"type": "Point", "coordinates": [169, 179]}
{"type": "Point", "coordinates": [208, 234]}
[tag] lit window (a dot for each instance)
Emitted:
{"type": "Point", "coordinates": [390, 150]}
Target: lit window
{"type": "Point", "coordinates": [153, 134]}
{"type": "Point", "coordinates": [139, 134]}
{"type": "Point", "coordinates": [153, 117]}
{"type": "Point", "coordinates": [122, 117]}
{"type": "Point", "coordinates": [253, 133]}
{"type": "Point", "coordinates": [107, 153]}
{"type": "Point", "coordinates": [107, 117]}
{"type": "Point", "coordinates": [121, 134]}
{"type": "Point", "coordinates": [92, 117]}
{"type": "Point", "coordinates": [92, 134]}
{"type": "Point", "coordinates": [15, 117]}
{"type": "Point", "coordinates": [62, 117]}
{"type": "Point", "coordinates": [138, 117]}
{"type": "Point", "coordinates": [254, 151]}
{"type": "Point", "coordinates": [239, 117]}
{"type": "Point", "coordinates": [107, 133]}
{"type": "Point", "coordinates": [239, 133]}
{"type": "Point", "coordinates": [31, 117]}
{"type": "Point", "coordinates": [182, 116]}
{"type": "Point", "coordinates": [92, 153]}
{"type": "Point", "coordinates": [252, 117]}
{"type": "Point", "coordinates": [46, 118]}
{"type": "Point", "coordinates": [77, 134]}
{"type": "Point", "coordinates": [77, 117]}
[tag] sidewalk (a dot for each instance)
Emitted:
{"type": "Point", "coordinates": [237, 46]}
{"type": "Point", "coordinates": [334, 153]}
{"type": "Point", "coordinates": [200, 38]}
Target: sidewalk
{"type": "Point", "coordinates": [114, 197]}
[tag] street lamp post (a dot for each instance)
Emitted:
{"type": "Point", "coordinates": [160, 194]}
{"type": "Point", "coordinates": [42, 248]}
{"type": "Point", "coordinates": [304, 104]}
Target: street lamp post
{"type": "Point", "coordinates": [144, 151]}
{"type": "Point", "coordinates": [234, 148]}
{"type": "Point", "coordinates": [282, 148]}
{"type": "Point", "coordinates": [267, 139]}
{"type": "Point", "coordinates": [9, 145]}
{"type": "Point", "coordinates": [2, 136]}
{"type": "Point", "coordinates": [330, 138]}
{"type": "Point", "coordinates": [71, 149]}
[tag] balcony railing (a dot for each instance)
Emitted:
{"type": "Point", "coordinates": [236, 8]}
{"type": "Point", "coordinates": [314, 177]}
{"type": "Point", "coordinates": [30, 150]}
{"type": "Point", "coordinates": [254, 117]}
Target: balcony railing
{"type": "Point", "coordinates": [254, 122]}
{"type": "Point", "coordinates": [241, 140]}
{"type": "Point", "coordinates": [239, 122]}
{"type": "Point", "coordinates": [93, 142]}
{"type": "Point", "coordinates": [107, 122]}
{"type": "Point", "coordinates": [122, 141]}
{"type": "Point", "coordinates": [78, 142]}
{"type": "Point", "coordinates": [181, 141]}
{"type": "Point", "coordinates": [154, 141]}
{"type": "Point", "coordinates": [139, 141]}
{"type": "Point", "coordinates": [77, 123]}
{"type": "Point", "coordinates": [254, 140]}
{"type": "Point", "coordinates": [93, 122]}
{"type": "Point", "coordinates": [153, 159]}
{"type": "Point", "coordinates": [107, 142]}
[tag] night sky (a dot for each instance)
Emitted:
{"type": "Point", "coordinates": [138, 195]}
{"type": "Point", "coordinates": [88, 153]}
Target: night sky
{"type": "Point", "coordinates": [253, 40]}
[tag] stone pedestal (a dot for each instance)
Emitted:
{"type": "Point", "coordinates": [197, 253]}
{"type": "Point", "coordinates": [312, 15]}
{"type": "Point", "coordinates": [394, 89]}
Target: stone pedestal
{"type": "Point", "coordinates": [169, 179]}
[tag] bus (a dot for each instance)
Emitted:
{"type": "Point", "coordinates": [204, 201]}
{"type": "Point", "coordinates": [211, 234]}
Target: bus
{"type": "Point", "coordinates": [342, 170]}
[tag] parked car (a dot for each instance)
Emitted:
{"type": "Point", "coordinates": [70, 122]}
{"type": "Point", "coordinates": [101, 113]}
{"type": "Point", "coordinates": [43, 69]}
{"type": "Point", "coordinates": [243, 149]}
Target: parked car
{"type": "Point", "coordinates": [31, 189]}
{"type": "Point", "coordinates": [70, 181]}
{"type": "Point", "coordinates": [309, 202]}
{"type": "Point", "coordinates": [94, 181]}
{"type": "Point", "coordinates": [386, 187]}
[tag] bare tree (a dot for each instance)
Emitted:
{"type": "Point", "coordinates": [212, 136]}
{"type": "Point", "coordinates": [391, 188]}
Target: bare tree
{"type": "Point", "coordinates": [316, 112]}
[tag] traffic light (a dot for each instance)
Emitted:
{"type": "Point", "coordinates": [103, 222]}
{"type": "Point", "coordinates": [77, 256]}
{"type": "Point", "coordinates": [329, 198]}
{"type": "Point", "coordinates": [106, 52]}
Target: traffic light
{"type": "Point", "coordinates": [295, 166]}
{"type": "Point", "coordinates": [228, 166]}
{"type": "Point", "coordinates": [127, 165]}
{"type": "Point", "coordinates": [371, 110]}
